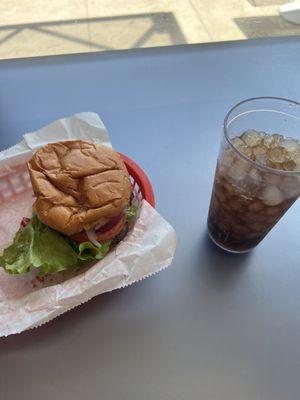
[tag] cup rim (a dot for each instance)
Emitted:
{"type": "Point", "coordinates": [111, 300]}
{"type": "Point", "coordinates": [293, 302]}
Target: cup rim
{"type": "Point", "coordinates": [243, 156]}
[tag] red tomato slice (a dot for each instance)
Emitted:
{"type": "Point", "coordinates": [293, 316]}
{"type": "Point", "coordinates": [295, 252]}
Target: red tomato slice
{"type": "Point", "coordinates": [103, 236]}
{"type": "Point", "coordinates": [110, 224]}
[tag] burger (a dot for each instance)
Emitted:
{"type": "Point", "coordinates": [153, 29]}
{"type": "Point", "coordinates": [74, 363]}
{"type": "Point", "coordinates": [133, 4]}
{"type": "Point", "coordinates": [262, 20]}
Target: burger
{"type": "Point", "coordinates": [83, 208]}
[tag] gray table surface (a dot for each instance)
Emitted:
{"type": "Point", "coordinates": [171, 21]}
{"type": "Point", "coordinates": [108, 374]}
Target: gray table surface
{"type": "Point", "coordinates": [213, 326]}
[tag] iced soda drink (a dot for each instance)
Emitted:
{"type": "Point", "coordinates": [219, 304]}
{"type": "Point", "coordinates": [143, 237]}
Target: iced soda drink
{"type": "Point", "coordinates": [257, 179]}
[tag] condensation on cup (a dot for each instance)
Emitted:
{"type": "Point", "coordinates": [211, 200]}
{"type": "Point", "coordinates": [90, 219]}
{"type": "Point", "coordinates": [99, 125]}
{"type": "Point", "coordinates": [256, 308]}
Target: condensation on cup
{"type": "Point", "coordinates": [257, 177]}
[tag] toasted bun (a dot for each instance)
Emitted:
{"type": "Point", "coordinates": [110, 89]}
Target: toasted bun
{"type": "Point", "coordinates": [78, 184]}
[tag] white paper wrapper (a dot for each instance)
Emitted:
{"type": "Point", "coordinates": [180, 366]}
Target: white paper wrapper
{"type": "Point", "coordinates": [27, 301]}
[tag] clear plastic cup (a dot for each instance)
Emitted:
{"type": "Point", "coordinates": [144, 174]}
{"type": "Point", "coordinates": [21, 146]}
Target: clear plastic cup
{"type": "Point", "coordinates": [248, 198]}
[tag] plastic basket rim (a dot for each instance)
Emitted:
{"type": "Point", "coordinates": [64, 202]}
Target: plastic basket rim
{"type": "Point", "coordinates": [139, 176]}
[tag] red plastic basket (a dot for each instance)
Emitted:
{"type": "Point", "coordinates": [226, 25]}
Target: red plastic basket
{"type": "Point", "coordinates": [139, 180]}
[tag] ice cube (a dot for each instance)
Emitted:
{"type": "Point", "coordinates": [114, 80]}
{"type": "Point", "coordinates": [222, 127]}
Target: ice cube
{"type": "Point", "coordinates": [277, 139]}
{"type": "Point", "coordinates": [297, 161]}
{"type": "Point", "coordinates": [259, 150]}
{"type": "Point", "coordinates": [237, 142]}
{"type": "Point", "coordinates": [243, 164]}
{"type": "Point", "coordinates": [272, 179]}
{"type": "Point", "coordinates": [255, 176]}
{"type": "Point", "coordinates": [246, 151]}
{"type": "Point", "coordinates": [253, 182]}
{"type": "Point", "coordinates": [289, 185]}
{"type": "Point", "coordinates": [275, 165]}
{"type": "Point", "coordinates": [236, 172]}
{"type": "Point", "coordinates": [252, 138]}
{"type": "Point", "coordinates": [290, 145]}
{"type": "Point", "coordinates": [276, 155]}
{"type": "Point", "coordinates": [289, 165]}
{"type": "Point", "coordinates": [227, 158]}
{"type": "Point", "coordinates": [261, 159]}
{"type": "Point", "coordinates": [272, 196]}
{"type": "Point", "coordinates": [267, 140]}
{"type": "Point", "coordinates": [296, 157]}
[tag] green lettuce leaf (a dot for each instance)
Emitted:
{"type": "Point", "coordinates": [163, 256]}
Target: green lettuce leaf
{"type": "Point", "coordinates": [88, 251]}
{"type": "Point", "coordinates": [38, 246]}
{"type": "Point", "coordinates": [131, 213]}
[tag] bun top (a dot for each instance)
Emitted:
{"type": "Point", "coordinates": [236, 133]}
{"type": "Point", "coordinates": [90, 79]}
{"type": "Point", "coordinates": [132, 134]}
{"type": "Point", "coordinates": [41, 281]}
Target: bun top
{"type": "Point", "coordinates": [78, 184]}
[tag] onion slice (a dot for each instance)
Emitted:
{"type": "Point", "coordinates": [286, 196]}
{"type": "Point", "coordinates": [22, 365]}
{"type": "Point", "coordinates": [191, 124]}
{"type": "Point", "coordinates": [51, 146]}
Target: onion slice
{"type": "Point", "coordinates": [91, 234]}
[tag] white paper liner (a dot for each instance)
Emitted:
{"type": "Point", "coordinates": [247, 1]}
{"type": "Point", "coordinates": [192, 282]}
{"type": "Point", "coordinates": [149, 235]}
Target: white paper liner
{"type": "Point", "coordinates": [25, 302]}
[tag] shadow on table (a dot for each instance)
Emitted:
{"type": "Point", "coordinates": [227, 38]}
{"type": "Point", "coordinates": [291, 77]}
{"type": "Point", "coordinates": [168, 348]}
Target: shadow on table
{"type": "Point", "coordinates": [255, 27]}
{"type": "Point", "coordinates": [219, 269]}
{"type": "Point", "coordinates": [91, 34]}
